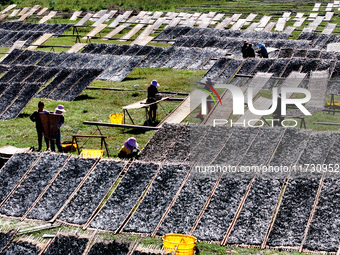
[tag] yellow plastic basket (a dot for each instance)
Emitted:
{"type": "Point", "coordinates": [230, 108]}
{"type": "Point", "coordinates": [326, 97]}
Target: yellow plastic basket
{"type": "Point", "coordinates": [117, 118]}
{"type": "Point", "coordinates": [186, 244]}
{"type": "Point", "coordinates": [87, 153]}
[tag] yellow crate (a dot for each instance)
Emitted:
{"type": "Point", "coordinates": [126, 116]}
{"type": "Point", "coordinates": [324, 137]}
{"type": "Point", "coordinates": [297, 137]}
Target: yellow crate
{"type": "Point", "coordinates": [117, 118]}
{"type": "Point", "coordinates": [87, 153]}
{"type": "Point", "coordinates": [186, 244]}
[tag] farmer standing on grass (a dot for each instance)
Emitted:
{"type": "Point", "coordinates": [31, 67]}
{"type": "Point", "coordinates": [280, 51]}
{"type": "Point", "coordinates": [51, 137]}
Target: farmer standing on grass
{"type": "Point", "coordinates": [153, 97]}
{"type": "Point", "coordinates": [59, 110]}
{"type": "Point", "coordinates": [35, 117]}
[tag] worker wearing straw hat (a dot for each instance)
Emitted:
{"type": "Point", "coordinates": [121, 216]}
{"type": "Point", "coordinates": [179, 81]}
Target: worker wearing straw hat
{"type": "Point", "coordinates": [58, 110]}
{"type": "Point", "coordinates": [129, 149]}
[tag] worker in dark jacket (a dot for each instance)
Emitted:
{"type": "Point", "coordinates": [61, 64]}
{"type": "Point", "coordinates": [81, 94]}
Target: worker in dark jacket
{"type": "Point", "coordinates": [263, 51]}
{"type": "Point", "coordinates": [250, 52]}
{"type": "Point", "coordinates": [244, 49]}
{"type": "Point", "coordinates": [153, 97]}
{"type": "Point", "coordinates": [35, 117]}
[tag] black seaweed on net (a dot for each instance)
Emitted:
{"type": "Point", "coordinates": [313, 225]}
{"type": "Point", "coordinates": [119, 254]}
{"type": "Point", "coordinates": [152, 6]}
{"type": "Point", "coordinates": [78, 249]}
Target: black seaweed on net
{"type": "Point", "coordinates": [212, 42]}
{"type": "Point", "coordinates": [193, 31]}
{"type": "Point", "coordinates": [285, 53]}
{"type": "Point", "coordinates": [38, 72]}
{"type": "Point", "coordinates": [278, 66]}
{"type": "Point", "coordinates": [201, 41]}
{"type": "Point", "coordinates": [49, 28]}
{"type": "Point", "coordinates": [48, 75]}
{"type": "Point", "coordinates": [304, 44]}
{"type": "Point", "coordinates": [145, 50]}
{"type": "Point", "coordinates": [157, 199]}
{"type": "Point", "coordinates": [21, 101]}
{"type": "Point", "coordinates": [190, 40]}
{"type": "Point", "coordinates": [210, 145]}
{"type": "Point", "coordinates": [35, 57]}
{"type": "Point", "coordinates": [67, 245]}
{"type": "Point", "coordinates": [13, 170]}
{"type": "Point", "coordinates": [254, 220]}
{"type": "Point", "coordinates": [15, 38]}
{"type": "Point", "coordinates": [324, 231]}
{"type": "Point", "coordinates": [291, 144]}
{"type": "Point", "coordinates": [188, 205]}
{"type": "Point", "coordinates": [111, 61]}
{"type": "Point", "coordinates": [6, 25]}
{"type": "Point", "coordinates": [20, 247]}
{"type": "Point", "coordinates": [248, 66]}
{"type": "Point", "coordinates": [113, 68]}
{"type": "Point", "coordinates": [331, 39]}
{"type": "Point", "coordinates": [89, 48]}
{"type": "Point", "coordinates": [313, 54]}
{"type": "Point", "coordinates": [208, 64]}
{"type": "Point", "coordinates": [179, 41]}
{"type": "Point", "coordinates": [320, 42]}
{"type": "Point", "coordinates": [5, 237]}
{"type": "Point", "coordinates": [234, 45]}
{"type": "Point", "coordinates": [134, 49]}
{"type": "Point", "coordinates": [33, 184]}
{"type": "Point", "coordinates": [174, 33]}
{"type": "Point", "coordinates": [88, 197]}
{"type": "Point", "coordinates": [262, 147]}
{"type": "Point", "coordinates": [321, 141]}
{"type": "Point", "coordinates": [33, 37]}
{"type": "Point", "coordinates": [12, 56]}
{"type": "Point", "coordinates": [201, 59]}
{"type": "Point", "coordinates": [153, 54]}
{"type": "Point", "coordinates": [59, 59]}
{"type": "Point", "coordinates": [109, 248]}
{"type": "Point", "coordinates": [164, 33]}
{"type": "Point", "coordinates": [77, 88]}
{"type": "Point", "coordinates": [326, 54]}
{"type": "Point", "coordinates": [5, 38]}
{"type": "Point", "coordinates": [218, 67]}
{"type": "Point", "coordinates": [160, 142]}
{"type": "Point", "coordinates": [61, 76]}
{"type": "Point", "coordinates": [62, 29]}
{"type": "Point", "coordinates": [3, 69]}
{"type": "Point", "coordinates": [176, 57]}
{"type": "Point", "coordinates": [70, 81]}
{"type": "Point", "coordinates": [221, 209]}
{"type": "Point", "coordinates": [70, 60]}
{"type": "Point", "coordinates": [47, 59]}
{"type": "Point", "coordinates": [196, 133]}
{"type": "Point", "coordinates": [325, 64]}
{"type": "Point", "coordinates": [24, 73]}
{"type": "Point", "coordinates": [3, 87]}
{"type": "Point", "coordinates": [180, 150]}
{"type": "Point", "coordinates": [233, 150]}
{"type": "Point", "coordinates": [122, 49]}
{"type": "Point", "coordinates": [99, 48]}
{"type": "Point", "coordinates": [310, 65]}
{"type": "Point", "coordinates": [67, 180]}
{"type": "Point", "coordinates": [188, 58]}
{"type": "Point", "coordinates": [11, 73]}
{"type": "Point", "coordinates": [109, 49]}
{"type": "Point", "coordinates": [314, 37]}
{"type": "Point", "coordinates": [234, 65]}
{"type": "Point", "coordinates": [335, 73]}
{"type": "Point", "coordinates": [293, 65]}
{"type": "Point", "coordinates": [125, 197]}
{"type": "Point", "coordinates": [222, 44]}
{"type": "Point", "coordinates": [301, 53]}
{"type": "Point", "coordinates": [96, 60]}
{"type": "Point", "coordinates": [127, 69]}
{"type": "Point", "coordinates": [23, 57]}
{"type": "Point", "coordinates": [9, 95]}
{"type": "Point", "coordinates": [83, 61]}
{"type": "Point", "coordinates": [294, 212]}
